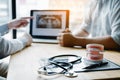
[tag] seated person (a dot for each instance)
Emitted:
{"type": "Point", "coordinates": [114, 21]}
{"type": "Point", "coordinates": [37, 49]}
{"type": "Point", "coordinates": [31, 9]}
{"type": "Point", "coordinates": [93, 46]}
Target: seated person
{"type": "Point", "coordinates": [8, 47]}
{"type": "Point", "coordinates": [102, 22]}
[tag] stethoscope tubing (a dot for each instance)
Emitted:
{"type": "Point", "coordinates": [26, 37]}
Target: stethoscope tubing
{"type": "Point", "coordinates": [62, 64]}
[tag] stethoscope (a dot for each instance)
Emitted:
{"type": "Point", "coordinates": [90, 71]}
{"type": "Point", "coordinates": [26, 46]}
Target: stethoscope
{"type": "Point", "coordinates": [64, 62]}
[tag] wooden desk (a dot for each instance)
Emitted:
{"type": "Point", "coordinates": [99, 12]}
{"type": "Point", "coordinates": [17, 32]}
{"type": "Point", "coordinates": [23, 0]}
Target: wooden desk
{"type": "Point", "coordinates": [24, 64]}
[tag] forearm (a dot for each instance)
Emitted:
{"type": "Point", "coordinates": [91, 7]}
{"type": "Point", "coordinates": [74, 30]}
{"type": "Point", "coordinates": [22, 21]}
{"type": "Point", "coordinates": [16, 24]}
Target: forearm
{"type": "Point", "coordinates": [9, 47]}
{"type": "Point", "coordinates": [107, 41]}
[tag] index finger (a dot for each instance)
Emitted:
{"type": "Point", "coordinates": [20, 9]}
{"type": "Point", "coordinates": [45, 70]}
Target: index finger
{"type": "Point", "coordinates": [31, 17]}
{"type": "Point", "coordinates": [66, 30]}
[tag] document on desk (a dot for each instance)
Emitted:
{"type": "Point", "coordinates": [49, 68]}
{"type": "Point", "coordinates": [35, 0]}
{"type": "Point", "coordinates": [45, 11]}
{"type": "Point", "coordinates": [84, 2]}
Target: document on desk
{"type": "Point", "coordinates": [107, 65]}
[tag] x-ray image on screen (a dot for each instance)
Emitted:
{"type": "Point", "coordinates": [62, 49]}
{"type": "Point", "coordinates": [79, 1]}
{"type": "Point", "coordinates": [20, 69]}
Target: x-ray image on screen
{"type": "Point", "coordinates": [48, 21]}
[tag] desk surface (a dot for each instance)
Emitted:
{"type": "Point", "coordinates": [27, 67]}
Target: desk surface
{"type": "Point", "coordinates": [24, 64]}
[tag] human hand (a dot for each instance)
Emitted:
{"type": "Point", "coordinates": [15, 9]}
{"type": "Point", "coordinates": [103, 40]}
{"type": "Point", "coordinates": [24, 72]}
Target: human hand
{"type": "Point", "coordinates": [26, 39]}
{"type": "Point", "coordinates": [19, 23]}
{"type": "Point", "coordinates": [66, 39]}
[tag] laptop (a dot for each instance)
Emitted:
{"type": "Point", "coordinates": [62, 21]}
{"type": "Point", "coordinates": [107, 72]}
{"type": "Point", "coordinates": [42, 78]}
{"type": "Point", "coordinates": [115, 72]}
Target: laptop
{"type": "Point", "coordinates": [47, 24]}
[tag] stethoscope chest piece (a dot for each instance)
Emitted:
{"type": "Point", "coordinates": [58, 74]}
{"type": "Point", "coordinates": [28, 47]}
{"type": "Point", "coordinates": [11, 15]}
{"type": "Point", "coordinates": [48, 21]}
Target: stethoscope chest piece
{"type": "Point", "coordinates": [71, 74]}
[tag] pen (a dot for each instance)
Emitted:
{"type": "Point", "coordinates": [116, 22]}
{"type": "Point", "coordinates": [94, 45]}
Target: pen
{"type": "Point", "coordinates": [96, 65]}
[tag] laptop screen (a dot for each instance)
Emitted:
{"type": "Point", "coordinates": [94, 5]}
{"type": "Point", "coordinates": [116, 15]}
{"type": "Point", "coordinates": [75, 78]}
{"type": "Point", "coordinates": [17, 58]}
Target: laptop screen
{"type": "Point", "coordinates": [48, 23]}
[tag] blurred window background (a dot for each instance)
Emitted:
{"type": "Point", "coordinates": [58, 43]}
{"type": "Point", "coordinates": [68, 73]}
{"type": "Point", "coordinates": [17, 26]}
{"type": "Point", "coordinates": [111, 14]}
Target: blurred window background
{"type": "Point", "coordinates": [5, 13]}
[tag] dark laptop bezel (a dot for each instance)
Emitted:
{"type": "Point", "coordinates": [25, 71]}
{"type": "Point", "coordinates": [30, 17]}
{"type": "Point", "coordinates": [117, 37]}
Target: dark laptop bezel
{"type": "Point", "coordinates": [46, 37]}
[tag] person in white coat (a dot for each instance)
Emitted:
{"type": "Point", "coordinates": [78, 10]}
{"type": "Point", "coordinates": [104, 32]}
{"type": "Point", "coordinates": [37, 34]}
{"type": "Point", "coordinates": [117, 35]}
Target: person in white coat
{"type": "Point", "coordinates": [8, 47]}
